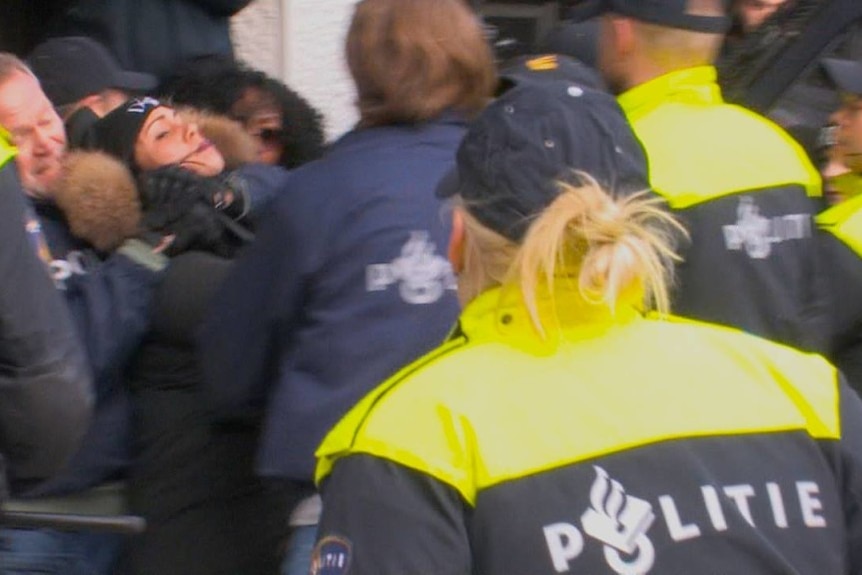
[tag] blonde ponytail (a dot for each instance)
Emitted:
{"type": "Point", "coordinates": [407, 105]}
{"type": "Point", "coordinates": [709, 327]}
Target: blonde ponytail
{"type": "Point", "coordinates": [610, 250]}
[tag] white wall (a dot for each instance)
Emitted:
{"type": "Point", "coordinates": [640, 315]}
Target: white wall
{"type": "Point", "coordinates": [302, 42]}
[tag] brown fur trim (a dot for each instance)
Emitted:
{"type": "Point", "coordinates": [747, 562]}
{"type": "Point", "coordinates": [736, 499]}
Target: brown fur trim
{"type": "Point", "coordinates": [98, 195]}
{"type": "Point", "coordinates": [236, 145]}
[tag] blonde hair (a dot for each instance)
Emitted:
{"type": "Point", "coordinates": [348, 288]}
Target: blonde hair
{"type": "Point", "coordinates": [413, 59]}
{"type": "Point", "coordinates": [616, 248]}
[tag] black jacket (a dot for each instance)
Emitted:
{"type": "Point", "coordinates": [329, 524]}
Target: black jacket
{"type": "Point", "coordinates": [189, 476]}
{"type": "Point", "coordinates": [45, 393]}
{"type": "Point", "coordinates": [153, 36]}
{"type": "Point", "coordinates": [840, 242]}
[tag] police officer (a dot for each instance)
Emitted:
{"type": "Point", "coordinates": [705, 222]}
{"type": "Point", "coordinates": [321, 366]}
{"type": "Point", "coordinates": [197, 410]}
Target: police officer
{"type": "Point", "coordinates": [562, 430]}
{"type": "Point", "coordinates": [741, 185]}
{"type": "Point", "coordinates": [346, 280]}
{"type": "Point", "coordinates": [841, 224]}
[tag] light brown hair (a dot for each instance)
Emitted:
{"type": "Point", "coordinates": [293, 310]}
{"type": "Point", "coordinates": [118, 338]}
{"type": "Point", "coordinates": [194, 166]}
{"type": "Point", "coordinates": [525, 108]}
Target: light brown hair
{"type": "Point", "coordinates": [413, 59]}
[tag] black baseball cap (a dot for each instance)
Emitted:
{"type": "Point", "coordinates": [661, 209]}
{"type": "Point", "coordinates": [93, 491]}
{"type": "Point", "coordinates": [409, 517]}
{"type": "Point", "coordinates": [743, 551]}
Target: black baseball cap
{"type": "Point", "coordinates": [671, 13]}
{"type": "Point", "coordinates": [576, 38]}
{"type": "Point", "coordinates": [73, 67]}
{"type": "Point", "coordinates": [533, 136]}
{"type": "Point", "coordinates": [845, 74]}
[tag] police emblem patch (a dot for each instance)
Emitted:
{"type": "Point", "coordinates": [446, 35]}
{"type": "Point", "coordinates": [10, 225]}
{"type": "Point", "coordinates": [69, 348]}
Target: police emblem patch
{"type": "Point", "coordinates": [331, 556]}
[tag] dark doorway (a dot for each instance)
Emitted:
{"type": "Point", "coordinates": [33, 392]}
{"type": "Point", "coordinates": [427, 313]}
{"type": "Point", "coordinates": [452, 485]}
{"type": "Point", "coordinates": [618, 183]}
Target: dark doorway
{"type": "Point", "coordinates": [23, 23]}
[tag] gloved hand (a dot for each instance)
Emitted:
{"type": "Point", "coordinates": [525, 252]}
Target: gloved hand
{"type": "Point", "coordinates": [168, 193]}
{"type": "Point", "coordinates": [182, 204]}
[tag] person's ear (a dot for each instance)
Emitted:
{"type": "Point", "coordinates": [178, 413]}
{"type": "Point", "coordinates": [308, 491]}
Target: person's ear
{"type": "Point", "coordinates": [456, 242]}
{"type": "Point", "coordinates": [94, 102]}
{"type": "Point", "coordinates": [624, 36]}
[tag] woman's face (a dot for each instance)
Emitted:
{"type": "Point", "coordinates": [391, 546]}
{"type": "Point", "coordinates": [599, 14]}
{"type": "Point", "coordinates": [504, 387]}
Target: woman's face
{"type": "Point", "coordinates": [166, 138]}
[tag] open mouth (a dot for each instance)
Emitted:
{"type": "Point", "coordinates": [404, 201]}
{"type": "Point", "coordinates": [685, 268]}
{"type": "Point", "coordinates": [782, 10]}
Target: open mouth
{"type": "Point", "coordinates": [204, 145]}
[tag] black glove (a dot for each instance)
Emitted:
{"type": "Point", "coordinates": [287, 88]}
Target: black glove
{"type": "Point", "coordinates": [234, 202]}
{"type": "Point", "coordinates": [182, 204]}
{"type": "Point", "coordinates": [168, 193]}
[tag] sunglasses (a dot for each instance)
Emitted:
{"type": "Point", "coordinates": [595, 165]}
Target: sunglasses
{"type": "Point", "coordinates": [271, 135]}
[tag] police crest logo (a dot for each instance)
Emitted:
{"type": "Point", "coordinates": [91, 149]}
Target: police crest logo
{"type": "Point", "coordinates": [331, 556]}
{"type": "Point", "coordinates": [617, 520]}
{"type": "Point", "coordinates": [756, 234]}
{"type": "Point", "coordinates": [422, 275]}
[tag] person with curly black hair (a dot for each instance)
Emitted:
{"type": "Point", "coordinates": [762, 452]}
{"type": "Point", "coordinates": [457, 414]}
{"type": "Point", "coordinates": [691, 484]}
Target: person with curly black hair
{"type": "Point", "coordinates": [287, 128]}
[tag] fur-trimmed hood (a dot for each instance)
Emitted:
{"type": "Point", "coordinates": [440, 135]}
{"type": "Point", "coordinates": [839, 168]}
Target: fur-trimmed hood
{"type": "Point", "coordinates": [99, 197]}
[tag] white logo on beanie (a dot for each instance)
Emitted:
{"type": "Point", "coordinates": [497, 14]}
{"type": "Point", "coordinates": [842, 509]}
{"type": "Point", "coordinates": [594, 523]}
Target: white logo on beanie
{"type": "Point", "coordinates": [141, 105]}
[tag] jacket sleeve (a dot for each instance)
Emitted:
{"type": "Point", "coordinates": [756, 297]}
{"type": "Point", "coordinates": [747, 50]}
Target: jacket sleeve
{"type": "Point", "coordinates": [250, 318]}
{"type": "Point", "coordinates": [225, 8]}
{"type": "Point", "coordinates": [111, 308]}
{"type": "Point", "coordinates": [843, 277]}
{"type": "Point", "coordinates": [849, 473]}
{"type": "Point", "coordinates": [387, 519]}
{"type": "Point", "coordinates": [45, 384]}
{"type": "Point", "coordinates": [844, 270]}
{"type": "Point", "coordinates": [260, 184]}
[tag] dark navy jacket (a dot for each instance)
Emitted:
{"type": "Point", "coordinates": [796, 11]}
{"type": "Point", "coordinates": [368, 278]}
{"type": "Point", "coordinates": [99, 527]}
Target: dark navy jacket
{"type": "Point", "coordinates": [152, 36]}
{"type": "Point", "coordinates": [261, 183]}
{"type": "Point", "coordinates": [110, 303]}
{"type": "Point", "coordinates": [45, 387]}
{"type": "Point", "coordinates": [346, 282]}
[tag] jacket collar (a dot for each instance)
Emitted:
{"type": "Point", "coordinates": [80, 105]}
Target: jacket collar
{"type": "Point", "coordinates": [689, 86]}
{"type": "Point", "coordinates": [500, 314]}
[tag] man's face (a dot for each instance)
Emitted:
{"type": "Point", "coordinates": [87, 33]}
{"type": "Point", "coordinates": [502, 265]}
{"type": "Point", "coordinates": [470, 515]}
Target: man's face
{"type": "Point", "coordinates": [36, 131]}
{"type": "Point", "coordinates": [848, 136]}
{"type": "Point", "coordinates": [752, 13]}
{"type": "Point", "coordinates": [110, 100]}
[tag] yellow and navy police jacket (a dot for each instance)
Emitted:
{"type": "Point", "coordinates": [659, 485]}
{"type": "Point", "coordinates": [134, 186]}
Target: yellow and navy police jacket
{"type": "Point", "coordinates": [619, 445]}
{"type": "Point", "coordinates": [7, 150]}
{"type": "Point", "coordinates": [745, 190]}
{"type": "Point", "coordinates": [840, 240]}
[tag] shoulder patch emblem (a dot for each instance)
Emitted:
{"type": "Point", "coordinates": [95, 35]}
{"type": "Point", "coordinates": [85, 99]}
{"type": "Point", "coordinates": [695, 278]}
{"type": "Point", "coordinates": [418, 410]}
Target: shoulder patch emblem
{"type": "Point", "coordinates": [331, 556]}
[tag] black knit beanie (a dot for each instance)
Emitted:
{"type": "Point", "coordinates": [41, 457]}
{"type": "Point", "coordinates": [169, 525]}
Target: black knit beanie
{"type": "Point", "coordinates": [117, 132]}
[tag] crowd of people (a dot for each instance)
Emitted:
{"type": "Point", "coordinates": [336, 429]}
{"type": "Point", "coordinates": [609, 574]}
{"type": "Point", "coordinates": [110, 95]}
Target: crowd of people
{"type": "Point", "coordinates": [558, 314]}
